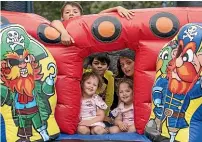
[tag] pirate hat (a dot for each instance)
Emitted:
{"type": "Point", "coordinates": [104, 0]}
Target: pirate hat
{"type": "Point", "coordinates": [191, 32]}
{"type": "Point", "coordinates": [14, 37]}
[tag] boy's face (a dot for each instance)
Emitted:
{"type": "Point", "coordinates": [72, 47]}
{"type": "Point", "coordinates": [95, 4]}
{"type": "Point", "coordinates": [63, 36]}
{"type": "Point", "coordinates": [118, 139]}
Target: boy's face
{"type": "Point", "coordinates": [70, 12]}
{"type": "Point", "coordinates": [99, 67]}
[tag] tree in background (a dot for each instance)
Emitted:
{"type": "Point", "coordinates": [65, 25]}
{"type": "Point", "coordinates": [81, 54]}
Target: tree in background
{"type": "Point", "coordinates": [51, 9]}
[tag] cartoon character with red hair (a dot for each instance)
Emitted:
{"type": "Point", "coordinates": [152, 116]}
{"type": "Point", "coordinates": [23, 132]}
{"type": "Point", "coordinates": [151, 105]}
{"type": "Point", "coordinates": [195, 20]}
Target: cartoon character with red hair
{"type": "Point", "coordinates": [172, 95]}
{"type": "Point", "coordinates": [22, 87]}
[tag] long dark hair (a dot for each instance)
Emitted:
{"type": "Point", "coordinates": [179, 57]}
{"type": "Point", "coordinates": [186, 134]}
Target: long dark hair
{"type": "Point", "coordinates": [120, 73]}
{"type": "Point", "coordinates": [127, 53]}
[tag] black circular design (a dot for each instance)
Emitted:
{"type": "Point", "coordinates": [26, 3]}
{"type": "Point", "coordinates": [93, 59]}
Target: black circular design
{"type": "Point", "coordinates": [4, 20]}
{"type": "Point", "coordinates": [42, 36]}
{"type": "Point", "coordinates": [117, 25]}
{"type": "Point", "coordinates": [170, 16]}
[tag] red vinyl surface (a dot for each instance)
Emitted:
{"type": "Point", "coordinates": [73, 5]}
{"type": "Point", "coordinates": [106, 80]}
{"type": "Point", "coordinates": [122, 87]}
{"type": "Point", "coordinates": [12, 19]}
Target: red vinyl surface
{"type": "Point", "coordinates": [136, 34]}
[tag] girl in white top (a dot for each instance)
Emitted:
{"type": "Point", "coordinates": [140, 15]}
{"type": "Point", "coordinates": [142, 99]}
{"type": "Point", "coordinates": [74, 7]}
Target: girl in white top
{"type": "Point", "coordinates": [124, 113]}
{"type": "Point", "coordinates": [92, 106]}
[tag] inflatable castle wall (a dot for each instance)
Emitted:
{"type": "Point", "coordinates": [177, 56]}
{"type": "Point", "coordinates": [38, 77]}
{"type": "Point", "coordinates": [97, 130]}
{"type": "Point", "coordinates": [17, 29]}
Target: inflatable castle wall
{"type": "Point", "coordinates": [147, 33]}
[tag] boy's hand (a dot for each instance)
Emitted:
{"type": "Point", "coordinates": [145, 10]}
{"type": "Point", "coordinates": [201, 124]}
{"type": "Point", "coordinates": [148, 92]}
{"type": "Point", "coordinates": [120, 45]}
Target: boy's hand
{"type": "Point", "coordinates": [123, 12]}
{"type": "Point", "coordinates": [66, 39]}
{"type": "Point", "coordinates": [85, 122]}
{"type": "Point", "coordinates": [123, 127]}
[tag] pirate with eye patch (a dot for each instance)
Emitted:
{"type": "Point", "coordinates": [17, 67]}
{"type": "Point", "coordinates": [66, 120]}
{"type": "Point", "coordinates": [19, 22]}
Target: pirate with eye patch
{"type": "Point", "coordinates": [22, 88]}
{"type": "Point", "coordinates": [19, 59]}
{"type": "Point", "coordinates": [183, 81]}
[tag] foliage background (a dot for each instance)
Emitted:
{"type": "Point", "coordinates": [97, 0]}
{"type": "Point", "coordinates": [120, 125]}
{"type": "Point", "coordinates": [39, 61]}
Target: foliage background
{"type": "Point", "coordinates": [51, 9]}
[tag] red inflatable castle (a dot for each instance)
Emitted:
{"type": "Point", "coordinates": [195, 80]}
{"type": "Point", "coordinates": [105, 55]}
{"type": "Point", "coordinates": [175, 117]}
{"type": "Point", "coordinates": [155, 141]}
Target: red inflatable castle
{"type": "Point", "coordinates": [146, 34]}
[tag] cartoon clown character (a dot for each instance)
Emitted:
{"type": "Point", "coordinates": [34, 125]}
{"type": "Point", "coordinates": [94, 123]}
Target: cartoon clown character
{"type": "Point", "coordinates": [21, 87]}
{"type": "Point", "coordinates": [164, 58]}
{"type": "Point", "coordinates": [184, 80]}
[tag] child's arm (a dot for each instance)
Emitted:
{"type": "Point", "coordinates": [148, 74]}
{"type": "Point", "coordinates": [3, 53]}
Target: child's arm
{"type": "Point", "coordinates": [110, 91]}
{"type": "Point", "coordinates": [100, 115]}
{"type": "Point", "coordinates": [99, 118]}
{"type": "Point", "coordinates": [123, 12]}
{"type": "Point", "coordinates": [118, 122]}
{"type": "Point", "coordinates": [66, 39]}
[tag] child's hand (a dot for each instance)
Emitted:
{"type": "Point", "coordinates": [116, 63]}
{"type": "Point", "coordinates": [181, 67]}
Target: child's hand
{"type": "Point", "coordinates": [123, 12]}
{"type": "Point", "coordinates": [123, 127]}
{"type": "Point", "coordinates": [66, 39]}
{"type": "Point", "coordinates": [85, 122]}
{"type": "Point", "coordinates": [108, 119]}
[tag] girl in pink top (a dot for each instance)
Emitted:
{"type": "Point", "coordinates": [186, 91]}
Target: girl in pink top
{"type": "Point", "coordinates": [124, 113]}
{"type": "Point", "coordinates": [92, 106]}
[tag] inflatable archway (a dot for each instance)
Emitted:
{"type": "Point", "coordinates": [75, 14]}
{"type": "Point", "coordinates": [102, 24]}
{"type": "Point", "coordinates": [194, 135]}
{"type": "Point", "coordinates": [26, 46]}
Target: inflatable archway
{"type": "Point", "coordinates": [146, 33]}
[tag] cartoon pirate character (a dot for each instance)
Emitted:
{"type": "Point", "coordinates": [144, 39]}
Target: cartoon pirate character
{"type": "Point", "coordinates": [183, 80]}
{"type": "Point", "coordinates": [164, 58]}
{"type": "Point", "coordinates": [22, 88]}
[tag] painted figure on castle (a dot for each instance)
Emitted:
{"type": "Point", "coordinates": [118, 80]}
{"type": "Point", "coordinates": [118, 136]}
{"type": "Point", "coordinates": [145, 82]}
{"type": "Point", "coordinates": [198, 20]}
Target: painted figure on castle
{"type": "Point", "coordinates": [179, 81]}
{"type": "Point", "coordinates": [22, 87]}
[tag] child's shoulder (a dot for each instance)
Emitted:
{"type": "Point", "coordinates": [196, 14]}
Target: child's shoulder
{"type": "Point", "coordinates": [96, 97]}
{"type": "Point", "coordinates": [108, 74]}
{"type": "Point", "coordinates": [99, 102]}
{"type": "Point", "coordinates": [121, 106]}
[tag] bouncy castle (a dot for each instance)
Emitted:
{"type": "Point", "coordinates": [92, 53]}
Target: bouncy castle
{"type": "Point", "coordinates": [167, 73]}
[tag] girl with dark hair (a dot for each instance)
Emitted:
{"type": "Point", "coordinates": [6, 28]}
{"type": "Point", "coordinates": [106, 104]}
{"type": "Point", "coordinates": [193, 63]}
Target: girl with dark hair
{"type": "Point", "coordinates": [125, 64]}
{"type": "Point", "coordinates": [125, 69]}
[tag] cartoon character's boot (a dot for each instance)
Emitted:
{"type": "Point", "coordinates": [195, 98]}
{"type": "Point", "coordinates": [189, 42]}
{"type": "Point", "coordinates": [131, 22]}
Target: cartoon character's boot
{"type": "Point", "coordinates": [172, 136]}
{"type": "Point", "coordinates": [152, 124]}
{"type": "Point", "coordinates": [43, 132]}
{"type": "Point", "coordinates": [23, 140]}
{"type": "Point", "coordinates": [153, 127]}
{"type": "Point", "coordinates": [158, 124]}
{"type": "Point", "coordinates": [24, 134]}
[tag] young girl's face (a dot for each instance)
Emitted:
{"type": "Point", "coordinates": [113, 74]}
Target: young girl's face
{"type": "Point", "coordinates": [125, 93]}
{"type": "Point", "coordinates": [90, 86]}
{"type": "Point", "coordinates": [70, 12]}
{"type": "Point", "coordinates": [127, 66]}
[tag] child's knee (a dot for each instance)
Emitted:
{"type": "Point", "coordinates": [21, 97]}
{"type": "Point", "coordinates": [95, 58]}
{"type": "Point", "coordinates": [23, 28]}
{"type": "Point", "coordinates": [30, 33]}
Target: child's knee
{"type": "Point", "coordinates": [114, 129]}
{"type": "Point", "coordinates": [98, 130]}
{"type": "Point", "coordinates": [83, 130]}
{"type": "Point", "coordinates": [131, 129]}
